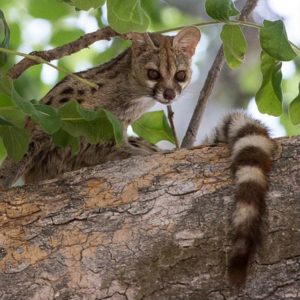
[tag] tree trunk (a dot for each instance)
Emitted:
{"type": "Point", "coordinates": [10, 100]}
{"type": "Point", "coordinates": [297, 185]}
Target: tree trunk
{"type": "Point", "coordinates": [155, 227]}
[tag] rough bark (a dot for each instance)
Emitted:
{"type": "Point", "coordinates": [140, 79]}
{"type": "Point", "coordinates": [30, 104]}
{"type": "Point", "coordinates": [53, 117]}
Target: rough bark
{"type": "Point", "coordinates": [155, 227]}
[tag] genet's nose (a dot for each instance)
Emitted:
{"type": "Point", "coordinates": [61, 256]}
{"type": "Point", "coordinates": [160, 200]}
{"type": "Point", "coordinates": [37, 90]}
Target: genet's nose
{"type": "Point", "coordinates": [169, 94]}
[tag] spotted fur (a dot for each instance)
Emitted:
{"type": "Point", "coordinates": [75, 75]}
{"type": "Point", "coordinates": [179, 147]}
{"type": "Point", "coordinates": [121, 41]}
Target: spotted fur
{"type": "Point", "coordinates": [251, 160]}
{"type": "Point", "coordinates": [124, 88]}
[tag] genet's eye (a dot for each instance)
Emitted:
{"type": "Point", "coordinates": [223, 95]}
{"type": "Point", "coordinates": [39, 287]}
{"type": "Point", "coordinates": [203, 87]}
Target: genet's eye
{"type": "Point", "coordinates": [180, 76]}
{"type": "Point", "coordinates": [153, 74]}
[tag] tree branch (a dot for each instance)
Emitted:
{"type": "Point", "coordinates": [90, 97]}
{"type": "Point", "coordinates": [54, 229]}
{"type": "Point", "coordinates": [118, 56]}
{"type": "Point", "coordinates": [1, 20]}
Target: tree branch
{"type": "Point", "coordinates": [83, 42]}
{"type": "Point", "coordinates": [191, 133]}
{"type": "Point", "coordinates": [171, 121]}
{"type": "Point", "coordinates": [154, 227]}
{"type": "Point", "coordinates": [192, 130]}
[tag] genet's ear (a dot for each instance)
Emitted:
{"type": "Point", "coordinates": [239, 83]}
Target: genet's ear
{"type": "Point", "coordinates": [187, 39]}
{"type": "Point", "coordinates": [140, 41]}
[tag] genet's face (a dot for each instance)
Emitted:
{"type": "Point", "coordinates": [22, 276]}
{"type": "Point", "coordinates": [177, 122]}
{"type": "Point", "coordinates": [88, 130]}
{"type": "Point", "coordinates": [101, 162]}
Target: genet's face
{"type": "Point", "coordinates": [165, 72]}
{"type": "Point", "coordinates": [163, 67]}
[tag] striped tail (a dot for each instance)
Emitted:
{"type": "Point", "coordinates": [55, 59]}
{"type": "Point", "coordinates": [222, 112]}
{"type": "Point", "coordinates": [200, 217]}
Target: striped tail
{"type": "Point", "coordinates": [251, 160]}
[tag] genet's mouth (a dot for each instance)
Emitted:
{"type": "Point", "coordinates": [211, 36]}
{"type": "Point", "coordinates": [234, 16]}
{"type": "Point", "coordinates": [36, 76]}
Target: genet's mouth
{"type": "Point", "coordinates": [164, 101]}
{"type": "Point", "coordinates": [159, 97]}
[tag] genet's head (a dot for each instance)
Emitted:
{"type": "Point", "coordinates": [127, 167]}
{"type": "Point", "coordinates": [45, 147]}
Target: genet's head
{"type": "Point", "coordinates": [162, 64]}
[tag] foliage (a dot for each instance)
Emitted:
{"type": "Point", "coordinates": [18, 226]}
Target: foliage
{"type": "Point", "coordinates": [269, 96]}
{"type": "Point", "coordinates": [274, 41]}
{"type": "Point", "coordinates": [86, 4]}
{"type": "Point", "coordinates": [125, 16]}
{"type": "Point", "coordinates": [4, 38]}
{"type": "Point", "coordinates": [71, 122]}
{"type": "Point", "coordinates": [235, 45]}
{"type": "Point", "coordinates": [95, 126]}
{"type": "Point", "coordinates": [221, 10]}
{"type": "Point", "coordinates": [153, 127]}
{"type": "Point", "coordinates": [294, 109]}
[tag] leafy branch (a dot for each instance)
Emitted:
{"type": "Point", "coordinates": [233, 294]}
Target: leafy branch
{"type": "Point", "coordinates": [275, 46]}
{"type": "Point", "coordinates": [86, 40]}
{"type": "Point", "coordinates": [191, 132]}
{"type": "Point", "coordinates": [105, 33]}
{"type": "Point", "coordinates": [216, 22]}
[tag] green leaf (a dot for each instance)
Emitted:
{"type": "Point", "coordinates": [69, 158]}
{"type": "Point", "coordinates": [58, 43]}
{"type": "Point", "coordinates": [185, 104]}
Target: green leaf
{"type": "Point", "coordinates": [47, 117]}
{"type": "Point", "coordinates": [96, 126]}
{"type": "Point", "coordinates": [6, 84]}
{"type": "Point", "coordinates": [10, 112]}
{"type": "Point", "coordinates": [235, 45]}
{"type": "Point", "coordinates": [153, 127]}
{"type": "Point", "coordinates": [48, 9]}
{"type": "Point", "coordinates": [269, 96]}
{"type": "Point", "coordinates": [63, 139]}
{"type": "Point", "coordinates": [4, 122]}
{"type": "Point", "coordinates": [15, 35]}
{"type": "Point", "coordinates": [294, 110]}
{"type": "Point", "coordinates": [86, 114]}
{"type": "Point", "coordinates": [4, 38]}
{"type": "Point", "coordinates": [274, 41]}
{"type": "Point", "coordinates": [221, 9]}
{"type": "Point", "coordinates": [116, 125]}
{"type": "Point", "coordinates": [87, 4]}
{"type": "Point", "coordinates": [15, 141]}
{"type": "Point", "coordinates": [7, 88]}
{"type": "Point", "coordinates": [2, 151]}
{"type": "Point", "coordinates": [90, 115]}
{"type": "Point", "coordinates": [126, 16]}
{"type": "Point", "coordinates": [290, 129]}
{"type": "Point", "coordinates": [44, 115]}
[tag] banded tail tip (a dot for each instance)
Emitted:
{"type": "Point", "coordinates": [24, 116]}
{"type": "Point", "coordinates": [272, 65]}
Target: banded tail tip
{"type": "Point", "coordinates": [237, 270]}
{"type": "Point", "coordinates": [241, 253]}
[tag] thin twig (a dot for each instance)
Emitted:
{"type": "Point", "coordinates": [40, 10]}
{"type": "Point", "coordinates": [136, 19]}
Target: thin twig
{"type": "Point", "coordinates": [201, 24]}
{"type": "Point", "coordinates": [83, 42]}
{"type": "Point", "coordinates": [171, 120]}
{"type": "Point", "coordinates": [191, 133]}
{"type": "Point", "coordinates": [40, 60]}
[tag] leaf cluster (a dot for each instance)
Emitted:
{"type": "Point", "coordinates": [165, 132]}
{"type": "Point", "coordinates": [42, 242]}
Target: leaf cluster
{"type": "Point", "coordinates": [275, 49]}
